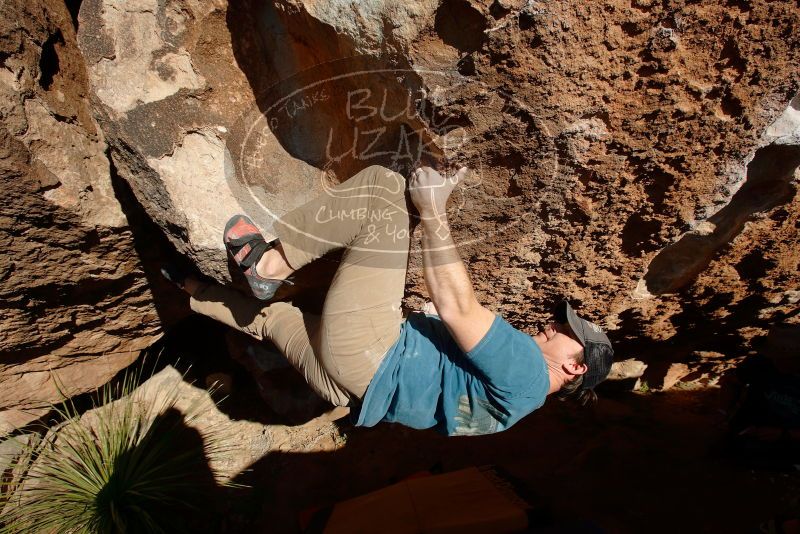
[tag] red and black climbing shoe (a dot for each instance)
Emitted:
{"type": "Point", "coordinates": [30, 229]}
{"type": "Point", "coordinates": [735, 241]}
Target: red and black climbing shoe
{"type": "Point", "coordinates": [246, 245]}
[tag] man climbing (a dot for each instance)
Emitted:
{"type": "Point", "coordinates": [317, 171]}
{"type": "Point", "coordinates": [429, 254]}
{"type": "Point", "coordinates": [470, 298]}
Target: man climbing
{"type": "Point", "coordinates": [465, 371]}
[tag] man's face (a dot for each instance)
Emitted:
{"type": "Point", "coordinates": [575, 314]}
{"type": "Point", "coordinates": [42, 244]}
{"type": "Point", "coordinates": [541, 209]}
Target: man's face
{"type": "Point", "coordinates": [559, 345]}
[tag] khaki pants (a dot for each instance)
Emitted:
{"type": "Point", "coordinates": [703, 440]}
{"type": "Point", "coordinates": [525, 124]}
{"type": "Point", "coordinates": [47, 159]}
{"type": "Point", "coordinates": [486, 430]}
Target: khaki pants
{"type": "Point", "coordinates": [339, 352]}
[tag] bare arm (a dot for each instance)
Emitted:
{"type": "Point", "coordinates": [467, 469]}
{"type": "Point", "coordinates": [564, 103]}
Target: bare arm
{"type": "Point", "coordinates": [446, 276]}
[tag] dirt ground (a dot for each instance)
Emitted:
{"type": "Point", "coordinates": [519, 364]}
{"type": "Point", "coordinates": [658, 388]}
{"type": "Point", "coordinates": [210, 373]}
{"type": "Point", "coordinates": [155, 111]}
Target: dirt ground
{"type": "Point", "coordinates": [637, 462]}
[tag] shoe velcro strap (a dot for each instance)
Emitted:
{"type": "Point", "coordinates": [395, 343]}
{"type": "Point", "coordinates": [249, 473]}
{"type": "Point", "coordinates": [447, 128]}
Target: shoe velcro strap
{"type": "Point", "coordinates": [257, 249]}
{"type": "Point", "coordinates": [249, 239]}
{"type": "Point", "coordinates": [246, 239]}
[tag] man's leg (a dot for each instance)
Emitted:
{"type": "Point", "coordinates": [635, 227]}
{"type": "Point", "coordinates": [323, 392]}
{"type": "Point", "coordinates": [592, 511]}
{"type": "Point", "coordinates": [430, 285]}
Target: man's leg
{"type": "Point", "coordinates": [361, 317]}
{"type": "Point", "coordinates": [282, 323]}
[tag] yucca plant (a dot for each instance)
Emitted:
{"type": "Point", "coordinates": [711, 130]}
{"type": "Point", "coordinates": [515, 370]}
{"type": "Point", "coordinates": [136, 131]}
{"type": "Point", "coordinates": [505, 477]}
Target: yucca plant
{"type": "Point", "coordinates": [130, 466]}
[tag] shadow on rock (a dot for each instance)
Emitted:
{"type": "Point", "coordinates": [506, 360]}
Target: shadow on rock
{"type": "Point", "coordinates": [654, 453]}
{"type": "Point", "coordinates": [326, 104]}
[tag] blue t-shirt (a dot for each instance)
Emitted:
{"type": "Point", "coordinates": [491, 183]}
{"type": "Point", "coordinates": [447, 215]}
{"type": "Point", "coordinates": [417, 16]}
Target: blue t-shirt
{"type": "Point", "coordinates": [426, 380]}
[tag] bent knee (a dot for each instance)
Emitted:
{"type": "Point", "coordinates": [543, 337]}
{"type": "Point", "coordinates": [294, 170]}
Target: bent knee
{"type": "Point", "coordinates": [391, 182]}
{"type": "Point", "coordinates": [381, 173]}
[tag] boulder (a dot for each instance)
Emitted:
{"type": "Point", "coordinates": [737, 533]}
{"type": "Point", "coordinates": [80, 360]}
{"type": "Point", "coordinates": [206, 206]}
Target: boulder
{"type": "Point", "coordinates": [638, 158]}
{"type": "Point", "coordinates": [76, 307]}
{"type": "Point", "coordinates": [237, 443]}
{"type": "Point", "coordinates": [169, 95]}
{"type": "Point", "coordinates": [614, 147]}
{"type": "Point", "coordinates": [674, 375]}
{"type": "Point", "coordinates": [626, 369]}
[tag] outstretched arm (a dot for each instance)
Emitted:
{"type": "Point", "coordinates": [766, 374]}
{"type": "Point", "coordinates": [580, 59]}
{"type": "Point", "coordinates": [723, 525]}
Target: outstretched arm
{"type": "Point", "coordinates": [446, 276]}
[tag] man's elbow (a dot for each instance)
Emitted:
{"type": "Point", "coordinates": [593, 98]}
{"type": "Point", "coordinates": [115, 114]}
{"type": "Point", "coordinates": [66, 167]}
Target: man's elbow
{"type": "Point", "coordinates": [456, 309]}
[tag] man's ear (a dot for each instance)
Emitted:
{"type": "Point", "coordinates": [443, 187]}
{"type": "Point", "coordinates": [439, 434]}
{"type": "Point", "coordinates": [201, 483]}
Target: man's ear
{"type": "Point", "coordinates": [574, 368]}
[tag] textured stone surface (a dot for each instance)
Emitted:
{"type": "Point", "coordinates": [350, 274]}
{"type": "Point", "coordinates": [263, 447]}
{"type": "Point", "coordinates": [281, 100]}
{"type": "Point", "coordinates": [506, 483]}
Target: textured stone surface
{"type": "Point", "coordinates": [169, 132]}
{"type": "Point", "coordinates": [636, 157]}
{"type": "Point", "coordinates": [631, 368]}
{"type": "Point", "coordinates": [786, 130]}
{"type": "Point", "coordinates": [240, 442]}
{"type": "Point", "coordinates": [651, 113]}
{"type": "Point", "coordinates": [74, 303]}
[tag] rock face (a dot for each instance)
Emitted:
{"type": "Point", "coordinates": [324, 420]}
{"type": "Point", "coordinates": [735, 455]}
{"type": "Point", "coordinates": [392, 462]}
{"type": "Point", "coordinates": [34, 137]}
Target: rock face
{"type": "Point", "coordinates": [239, 443]}
{"type": "Point", "coordinates": [636, 157]}
{"type": "Point", "coordinates": [168, 130]}
{"type": "Point", "coordinates": [74, 303]}
{"type": "Point", "coordinates": [631, 156]}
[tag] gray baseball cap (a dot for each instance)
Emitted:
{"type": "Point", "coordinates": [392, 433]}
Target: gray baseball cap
{"type": "Point", "coordinates": [597, 351]}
